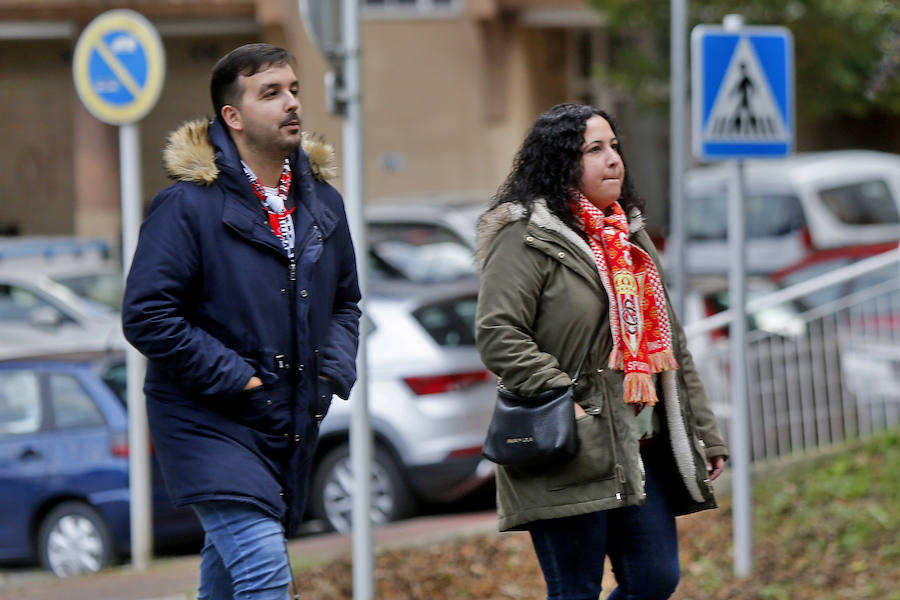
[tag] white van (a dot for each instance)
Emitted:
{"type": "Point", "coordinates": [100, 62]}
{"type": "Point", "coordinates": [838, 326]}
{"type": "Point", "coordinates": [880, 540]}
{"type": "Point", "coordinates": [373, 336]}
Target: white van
{"type": "Point", "coordinates": [795, 206]}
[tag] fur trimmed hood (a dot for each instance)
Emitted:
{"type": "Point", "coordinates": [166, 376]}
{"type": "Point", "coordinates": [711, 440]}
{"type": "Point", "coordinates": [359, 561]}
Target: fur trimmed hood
{"type": "Point", "coordinates": [189, 156]}
{"type": "Point", "coordinates": [493, 220]}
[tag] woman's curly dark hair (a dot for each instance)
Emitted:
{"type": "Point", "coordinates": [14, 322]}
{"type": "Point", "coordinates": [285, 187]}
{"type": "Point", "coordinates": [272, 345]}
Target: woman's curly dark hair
{"type": "Point", "coordinates": [548, 165]}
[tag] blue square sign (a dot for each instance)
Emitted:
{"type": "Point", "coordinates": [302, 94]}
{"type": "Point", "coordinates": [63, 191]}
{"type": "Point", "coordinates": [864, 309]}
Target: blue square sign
{"type": "Point", "coordinates": [743, 92]}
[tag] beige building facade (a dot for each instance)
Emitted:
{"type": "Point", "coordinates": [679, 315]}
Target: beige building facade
{"type": "Point", "coordinates": [450, 87]}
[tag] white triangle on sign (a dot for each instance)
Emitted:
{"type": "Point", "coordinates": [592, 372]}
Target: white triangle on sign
{"type": "Point", "coordinates": [745, 108]}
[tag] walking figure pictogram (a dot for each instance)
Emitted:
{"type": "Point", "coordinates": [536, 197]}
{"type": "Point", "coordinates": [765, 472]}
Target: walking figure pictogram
{"type": "Point", "coordinates": [745, 88]}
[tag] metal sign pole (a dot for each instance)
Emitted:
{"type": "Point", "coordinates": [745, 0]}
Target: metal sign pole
{"type": "Point", "coordinates": [739, 442]}
{"type": "Point", "coordinates": [360, 427]}
{"type": "Point", "coordinates": [743, 107]}
{"type": "Point", "coordinates": [677, 154]}
{"type": "Point", "coordinates": [119, 67]}
{"type": "Point", "coordinates": [334, 28]}
{"type": "Point", "coordinates": [139, 475]}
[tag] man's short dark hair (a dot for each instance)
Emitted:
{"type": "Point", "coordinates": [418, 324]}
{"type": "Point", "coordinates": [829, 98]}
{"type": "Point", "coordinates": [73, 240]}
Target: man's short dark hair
{"type": "Point", "coordinates": [245, 60]}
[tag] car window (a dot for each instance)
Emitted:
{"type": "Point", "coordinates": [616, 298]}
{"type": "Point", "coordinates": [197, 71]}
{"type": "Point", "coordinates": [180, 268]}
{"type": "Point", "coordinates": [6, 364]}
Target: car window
{"type": "Point", "coordinates": [20, 402]}
{"type": "Point", "coordinates": [72, 406]}
{"type": "Point", "coordinates": [864, 203]}
{"type": "Point", "coordinates": [707, 217]}
{"type": "Point", "coordinates": [418, 252]}
{"type": "Point", "coordinates": [102, 288]}
{"type": "Point", "coordinates": [18, 304]}
{"type": "Point", "coordinates": [768, 215]}
{"type": "Point", "coordinates": [116, 378]}
{"type": "Point", "coordinates": [783, 319]}
{"type": "Point", "coordinates": [449, 323]}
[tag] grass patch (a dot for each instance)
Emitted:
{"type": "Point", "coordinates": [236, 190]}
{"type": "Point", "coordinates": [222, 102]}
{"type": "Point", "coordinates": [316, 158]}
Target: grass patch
{"type": "Point", "coordinates": [827, 529]}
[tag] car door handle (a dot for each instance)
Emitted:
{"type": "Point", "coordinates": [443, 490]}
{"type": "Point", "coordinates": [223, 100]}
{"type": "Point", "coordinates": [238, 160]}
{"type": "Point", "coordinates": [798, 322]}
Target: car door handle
{"type": "Point", "coordinates": [30, 454]}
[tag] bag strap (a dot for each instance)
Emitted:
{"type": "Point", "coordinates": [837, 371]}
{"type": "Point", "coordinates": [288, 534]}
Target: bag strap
{"type": "Point", "coordinates": [586, 352]}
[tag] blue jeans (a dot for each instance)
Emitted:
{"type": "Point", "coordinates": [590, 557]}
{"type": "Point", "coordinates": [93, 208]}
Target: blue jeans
{"type": "Point", "coordinates": [244, 556]}
{"type": "Point", "coordinates": [641, 541]}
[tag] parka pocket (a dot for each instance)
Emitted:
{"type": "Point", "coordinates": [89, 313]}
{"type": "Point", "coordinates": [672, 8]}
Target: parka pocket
{"type": "Point", "coordinates": [322, 400]}
{"type": "Point", "coordinates": [593, 461]}
{"type": "Point", "coordinates": [261, 409]}
{"type": "Point", "coordinates": [590, 392]}
{"type": "Point", "coordinates": [323, 391]}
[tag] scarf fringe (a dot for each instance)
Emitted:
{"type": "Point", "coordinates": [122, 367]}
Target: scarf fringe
{"type": "Point", "coordinates": [663, 361]}
{"type": "Point", "coordinates": [639, 389]}
{"type": "Point", "coordinates": [617, 359]}
{"type": "Point", "coordinates": [658, 361]}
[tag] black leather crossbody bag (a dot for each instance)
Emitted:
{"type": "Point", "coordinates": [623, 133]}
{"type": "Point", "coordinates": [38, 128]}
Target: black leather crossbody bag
{"type": "Point", "coordinates": [538, 431]}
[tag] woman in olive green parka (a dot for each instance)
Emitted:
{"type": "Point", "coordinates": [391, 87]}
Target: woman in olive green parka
{"type": "Point", "coordinates": [542, 296]}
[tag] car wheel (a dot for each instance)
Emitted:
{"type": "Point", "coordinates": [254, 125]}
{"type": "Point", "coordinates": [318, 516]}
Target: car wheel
{"type": "Point", "coordinates": [331, 493]}
{"type": "Point", "coordinates": [74, 539]}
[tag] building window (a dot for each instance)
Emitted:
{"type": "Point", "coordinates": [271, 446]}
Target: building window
{"type": "Point", "coordinates": [389, 9]}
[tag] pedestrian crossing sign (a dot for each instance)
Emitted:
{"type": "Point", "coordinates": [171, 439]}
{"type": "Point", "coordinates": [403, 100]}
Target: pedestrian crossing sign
{"type": "Point", "coordinates": [743, 92]}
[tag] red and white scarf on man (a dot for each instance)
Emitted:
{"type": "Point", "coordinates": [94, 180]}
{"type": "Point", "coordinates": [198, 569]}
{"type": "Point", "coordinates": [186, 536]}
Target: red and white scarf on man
{"type": "Point", "coordinates": [274, 206]}
{"type": "Point", "coordinates": [642, 337]}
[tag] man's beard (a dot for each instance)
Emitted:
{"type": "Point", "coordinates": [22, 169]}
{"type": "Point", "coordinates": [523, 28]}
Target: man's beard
{"type": "Point", "coordinates": [280, 145]}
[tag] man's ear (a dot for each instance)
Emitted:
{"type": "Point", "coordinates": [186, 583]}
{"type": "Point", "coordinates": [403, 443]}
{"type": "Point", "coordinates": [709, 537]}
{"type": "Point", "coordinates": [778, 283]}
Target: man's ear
{"type": "Point", "coordinates": [231, 116]}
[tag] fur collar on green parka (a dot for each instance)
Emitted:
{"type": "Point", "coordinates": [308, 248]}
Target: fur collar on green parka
{"type": "Point", "coordinates": [541, 297]}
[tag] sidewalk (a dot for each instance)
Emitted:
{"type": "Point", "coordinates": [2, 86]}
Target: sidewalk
{"type": "Point", "coordinates": [176, 578]}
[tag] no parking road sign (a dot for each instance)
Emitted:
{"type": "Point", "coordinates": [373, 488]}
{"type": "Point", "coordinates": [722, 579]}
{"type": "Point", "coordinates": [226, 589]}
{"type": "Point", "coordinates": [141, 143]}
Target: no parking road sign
{"type": "Point", "coordinates": [119, 66]}
{"type": "Point", "coordinates": [743, 92]}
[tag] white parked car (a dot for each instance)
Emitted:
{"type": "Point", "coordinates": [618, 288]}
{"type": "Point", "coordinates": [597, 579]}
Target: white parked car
{"type": "Point", "coordinates": [805, 203]}
{"type": "Point", "coordinates": [58, 294]}
{"type": "Point", "coordinates": [430, 402]}
{"type": "Point", "coordinates": [425, 240]}
{"type": "Point", "coordinates": [430, 396]}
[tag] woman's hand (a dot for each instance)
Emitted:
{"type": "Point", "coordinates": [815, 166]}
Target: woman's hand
{"type": "Point", "coordinates": [715, 466]}
{"type": "Point", "coordinates": [579, 412]}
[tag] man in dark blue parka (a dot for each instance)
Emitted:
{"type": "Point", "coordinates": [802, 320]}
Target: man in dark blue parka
{"type": "Point", "coordinates": [243, 296]}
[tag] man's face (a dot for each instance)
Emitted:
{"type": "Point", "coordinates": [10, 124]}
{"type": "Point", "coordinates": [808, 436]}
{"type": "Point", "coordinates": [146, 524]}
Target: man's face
{"type": "Point", "coordinates": [270, 111]}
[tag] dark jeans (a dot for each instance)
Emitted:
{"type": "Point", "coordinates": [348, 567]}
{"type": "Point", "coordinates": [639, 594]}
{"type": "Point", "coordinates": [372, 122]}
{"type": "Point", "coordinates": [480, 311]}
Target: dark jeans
{"type": "Point", "coordinates": [641, 541]}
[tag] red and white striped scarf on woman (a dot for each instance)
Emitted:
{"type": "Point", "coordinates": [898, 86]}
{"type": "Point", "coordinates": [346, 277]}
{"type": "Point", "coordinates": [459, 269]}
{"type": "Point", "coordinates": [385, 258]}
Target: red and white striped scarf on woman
{"type": "Point", "coordinates": [642, 336]}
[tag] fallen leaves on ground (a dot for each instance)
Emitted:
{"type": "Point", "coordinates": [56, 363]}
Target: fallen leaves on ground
{"type": "Point", "coordinates": [825, 531]}
{"type": "Point", "coordinates": [501, 566]}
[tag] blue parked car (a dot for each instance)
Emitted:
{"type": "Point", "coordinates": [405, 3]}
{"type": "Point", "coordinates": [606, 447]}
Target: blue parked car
{"type": "Point", "coordinates": [64, 496]}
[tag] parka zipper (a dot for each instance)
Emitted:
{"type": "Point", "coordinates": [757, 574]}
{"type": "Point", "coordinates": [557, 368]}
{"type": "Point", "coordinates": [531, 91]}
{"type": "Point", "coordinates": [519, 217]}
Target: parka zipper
{"type": "Point", "coordinates": [293, 374]}
{"type": "Point", "coordinates": [295, 367]}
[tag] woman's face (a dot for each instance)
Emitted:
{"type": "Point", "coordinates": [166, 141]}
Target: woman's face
{"type": "Point", "coordinates": [602, 171]}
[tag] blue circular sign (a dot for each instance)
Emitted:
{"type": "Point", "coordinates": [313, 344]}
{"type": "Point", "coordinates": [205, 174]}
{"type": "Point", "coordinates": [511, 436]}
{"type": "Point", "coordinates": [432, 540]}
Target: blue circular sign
{"type": "Point", "coordinates": [119, 66]}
